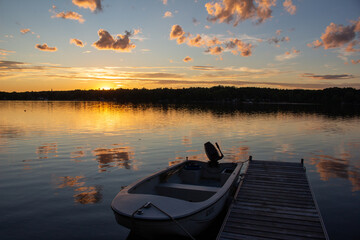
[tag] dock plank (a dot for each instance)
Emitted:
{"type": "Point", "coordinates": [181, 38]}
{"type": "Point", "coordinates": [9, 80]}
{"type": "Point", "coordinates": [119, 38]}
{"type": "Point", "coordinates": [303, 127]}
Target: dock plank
{"type": "Point", "coordinates": [274, 201]}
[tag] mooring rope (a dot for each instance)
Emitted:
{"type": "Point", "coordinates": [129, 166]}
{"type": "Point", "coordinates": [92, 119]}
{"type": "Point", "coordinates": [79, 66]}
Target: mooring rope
{"type": "Point", "coordinates": [148, 204]}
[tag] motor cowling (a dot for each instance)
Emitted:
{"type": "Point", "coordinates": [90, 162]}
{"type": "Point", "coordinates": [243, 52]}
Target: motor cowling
{"type": "Point", "coordinates": [213, 153]}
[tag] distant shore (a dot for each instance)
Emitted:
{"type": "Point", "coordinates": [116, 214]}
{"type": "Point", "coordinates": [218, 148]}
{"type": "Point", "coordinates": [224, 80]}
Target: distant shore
{"type": "Point", "coordinates": [218, 94]}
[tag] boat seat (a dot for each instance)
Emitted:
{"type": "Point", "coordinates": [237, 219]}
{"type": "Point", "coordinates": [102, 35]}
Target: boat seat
{"type": "Point", "coordinates": [189, 187]}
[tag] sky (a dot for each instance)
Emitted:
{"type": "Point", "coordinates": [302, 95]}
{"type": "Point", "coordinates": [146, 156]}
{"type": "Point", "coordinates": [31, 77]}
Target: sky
{"type": "Point", "coordinates": [109, 44]}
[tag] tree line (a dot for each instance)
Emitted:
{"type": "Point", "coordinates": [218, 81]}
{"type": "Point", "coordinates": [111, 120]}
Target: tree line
{"type": "Point", "coordinates": [198, 94]}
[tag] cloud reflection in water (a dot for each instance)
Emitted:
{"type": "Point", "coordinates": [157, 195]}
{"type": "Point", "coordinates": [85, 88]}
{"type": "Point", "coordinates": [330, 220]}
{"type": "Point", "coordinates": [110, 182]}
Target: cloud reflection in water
{"type": "Point", "coordinates": [82, 194]}
{"type": "Point", "coordinates": [121, 157]}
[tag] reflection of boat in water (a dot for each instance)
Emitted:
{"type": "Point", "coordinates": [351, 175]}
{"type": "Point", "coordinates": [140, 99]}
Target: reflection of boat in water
{"type": "Point", "coordinates": [180, 200]}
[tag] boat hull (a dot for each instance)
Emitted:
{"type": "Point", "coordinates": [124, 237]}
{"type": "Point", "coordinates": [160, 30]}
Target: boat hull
{"type": "Point", "coordinates": [161, 205]}
{"type": "Point", "coordinates": [193, 224]}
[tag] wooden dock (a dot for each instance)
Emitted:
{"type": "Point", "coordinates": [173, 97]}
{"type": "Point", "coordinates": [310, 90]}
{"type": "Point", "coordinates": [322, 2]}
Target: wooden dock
{"type": "Point", "coordinates": [273, 201]}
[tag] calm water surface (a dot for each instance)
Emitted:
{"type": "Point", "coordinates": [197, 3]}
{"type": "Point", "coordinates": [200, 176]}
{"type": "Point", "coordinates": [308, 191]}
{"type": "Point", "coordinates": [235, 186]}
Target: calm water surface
{"type": "Point", "coordinates": [62, 163]}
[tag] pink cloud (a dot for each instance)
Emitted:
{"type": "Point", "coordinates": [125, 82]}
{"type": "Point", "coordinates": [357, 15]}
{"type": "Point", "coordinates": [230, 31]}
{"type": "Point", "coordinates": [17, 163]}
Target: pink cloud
{"type": "Point", "coordinates": [337, 36]}
{"type": "Point", "coordinates": [239, 46]}
{"type": "Point", "coordinates": [213, 46]}
{"type": "Point", "coordinates": [121, 43]}
{"type": "Point", "coordinates": [93, 5]}
{"type": "Point", "coordinates": [24, 31]}
{"type": "Point", "coordinates": [167, 14]}
{"type": "Point", "coordinates": [239, 10]}
{"type": "Point", "coordinates": [187, 59]}
{"type": "Point", "coordinates": [70, 15]}
{"type": "Point", "coordinates": [289, 7]}
{"type": "Point", "coordinates": [77, 42]}
{"type": "Point", "coordinates": [355, 61]}
{"type": "Point", "coordinates": [45, 47]}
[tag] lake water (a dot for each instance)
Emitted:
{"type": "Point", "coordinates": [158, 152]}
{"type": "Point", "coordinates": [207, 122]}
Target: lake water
{"type": "Point", "coordinates": [62, 163]}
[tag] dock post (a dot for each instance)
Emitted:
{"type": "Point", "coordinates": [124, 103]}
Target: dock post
{"type": "Point", "coordinates": [250, 158]}
{"type": "Point", "coordinates": [302, 162]}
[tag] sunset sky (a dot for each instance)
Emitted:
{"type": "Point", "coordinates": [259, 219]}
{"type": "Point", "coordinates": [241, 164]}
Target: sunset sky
{"type": "Point", "coordinates": [91, 44]}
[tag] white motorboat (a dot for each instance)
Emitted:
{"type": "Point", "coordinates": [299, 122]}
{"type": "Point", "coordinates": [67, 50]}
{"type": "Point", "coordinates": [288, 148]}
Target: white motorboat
{"type": "Point", "coordinates": [182, 199]}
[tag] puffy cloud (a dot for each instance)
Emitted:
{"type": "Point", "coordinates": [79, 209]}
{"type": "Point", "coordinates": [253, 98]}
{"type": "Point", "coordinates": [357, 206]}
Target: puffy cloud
{"type": "Point", "coordinates": [77, 42]}
{"type": "Point", "coordinates": [217, 50]}
{"type": "Point", "coordinates": [45, 47]}
{"type": "Point", "coordinates": [70, 15]}
{"type": "Point", "coordinates": [328, 76]}
{"type": "Point", "coordinates": [165, 2]}
{"type": "Point", "coordinates": [239, 46]}
{"type": "Point", "coordinates": [93, 5]}
{"type": "Point", "coordinates": [288, 55]}
{"type": "Point", "coordinates": [351, 45]}
{"type": "Point", "coordinates": [167, 14]}
{"type": "Point", "coordinates": [187, 59]}
{"type": "Point", "coordinates": [264, 9]}
{"type": "Point", "coordinates": [197, 41]}
{"type": "Point", "coordinates": [239, 10]}
{"type": "Point", "coordinates": [276, 40]}
{"type": "Point", "coordinates": [213, 45]}
{"type": "Point", "coordinates": [24, 31]}
{"type": "Point", "coordinates": [178, 33]}
{"type": "Point", "coordinates": [289, 7]}
{"type": "Point", "coordinates": [315, 44]}
{"type": "Point", "coordinates": [107, 42]}
{"type": "Point", "coordinates": [337, 36]}
{"type": "Point", "coordinates": [355, 61]}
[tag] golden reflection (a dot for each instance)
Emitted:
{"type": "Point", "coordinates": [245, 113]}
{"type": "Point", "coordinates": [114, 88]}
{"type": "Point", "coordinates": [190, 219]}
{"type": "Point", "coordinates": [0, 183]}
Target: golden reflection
{"type": "Point", "coordinates": [88, 195]}
{"type": "Point", "coordinates": [82, 194]}
{"type": "Point", "coordinates": [69, 181]}
{"type": "Point", "coordinates": [46, 149]}
{"type": "Point", "coordinates": [330, 167]}
{"type": "Point", "coordinates": [76, 155]}
{"type": "Point", "coordinates": [121, 157]}
{"type": "Point", "coordinates": [238, 154]}
{"type": "Point", "coordinates": [186, 140]}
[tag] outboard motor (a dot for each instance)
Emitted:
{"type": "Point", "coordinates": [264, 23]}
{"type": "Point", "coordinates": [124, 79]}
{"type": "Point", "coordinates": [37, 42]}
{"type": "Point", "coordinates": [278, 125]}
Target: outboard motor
{"type": "Point", "coordinates": [213, 153]}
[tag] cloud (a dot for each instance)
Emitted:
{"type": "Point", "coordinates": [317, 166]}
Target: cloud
{"type": "Point", "coordinates": [239, 10]}
{"type": "Point", "coordinates": [24, 31]}
{"type": "Point", "coordinates": [278, 32]}
{"type": "Point", "coordinates": [187, 59]}
{"type": "Point", "coordinates": [195, 21]}
{"type": "Point", "coordinates": [93, 5]}
{"type": "Point", "coordinates": [107, 42]}
{"type": "Point", "coordinates": [213, 45]}
{"type": "Point", "coordinates": [239, 46]}
{"type": "Point", "coordinates": [277, 40]}
{"type": "Point", "coordinates": [288, 55]}
{"type": "Point", "coordinates": [328, 76]}
{"type": "Point", "coordinates": [217, 50]}
{"type": "Point", "coordinates": [355, 61]}
{"type": "Point", "coordinates": [70, 15]}
{"type": "Point", "coordinates": [289, 7]}
{"type": "Point", "coordinates": [4, 52]}
{"type": "Point", "coordinates": [197, 41]}
{"type": "Point", "coordinates": [167, 14]}
{"type": "Point", "coordinates": [315, 44]}
{"type": "Point", "coordinates": [206, 68]}
{"type": "Point", "coordinates": [77, 42]}
{"type": "Point", "coordinates": [165, 2]}
{"type": "Point", "coordinates": [45, 47]}
{"type": "Point", "coordinates": [178, 33]}
{"type": "Point", "coordinates": [337, 36]}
